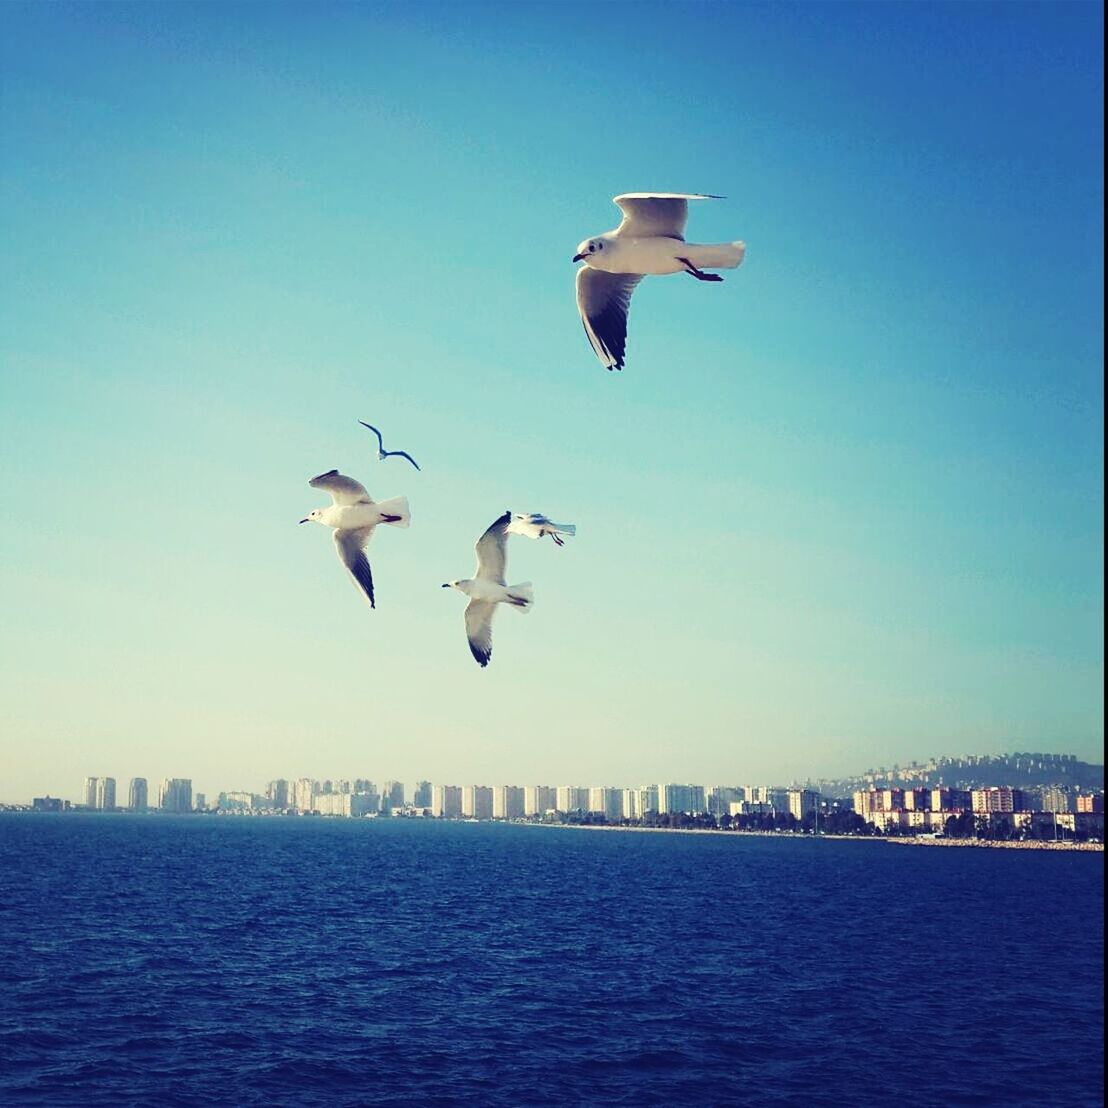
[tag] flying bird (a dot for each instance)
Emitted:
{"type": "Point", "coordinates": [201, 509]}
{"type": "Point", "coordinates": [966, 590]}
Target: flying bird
{"type": "Point", "coordinates": [353, 514]}
{"type": "Point", "coordinates": [382, 453]}
{"type": "Point", "coordinates": [537, 526]}
{"type": "Point", "coordinates": [650, 240]}
{"type": "Point", "coordinates": [486, 589]}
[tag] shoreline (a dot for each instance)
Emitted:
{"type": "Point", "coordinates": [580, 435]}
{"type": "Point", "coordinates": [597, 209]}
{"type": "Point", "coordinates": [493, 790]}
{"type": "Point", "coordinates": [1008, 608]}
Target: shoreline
{"type": "Point", "coordinates": [902, 840]}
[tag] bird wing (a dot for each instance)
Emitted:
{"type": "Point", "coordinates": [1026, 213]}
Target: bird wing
{"type": "Point", "coordinates": [350, 546]}
{"type": "Point", "coordinates": [380, 441]}
{"type": "Point", "coordinates": [401, 454]}
{"type": "Point", "coordinates": [492, 551]}
{"type": "Point", "coordinates": [479, 629]}
{"type": "Point", "coordinates": [603, 299]}
{"type": "Point", "coordinates": [343, 490]}
{"type": "Point", "coordinates": [651, 214]}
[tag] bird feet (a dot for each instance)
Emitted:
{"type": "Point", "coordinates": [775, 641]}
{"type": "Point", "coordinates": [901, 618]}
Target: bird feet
{"type": "Point", "coordinates": [557, 538]}
{"type": "Point", "coordinates": [699, 274]}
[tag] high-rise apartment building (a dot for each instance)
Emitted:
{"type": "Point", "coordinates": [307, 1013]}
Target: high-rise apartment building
{"type": "Point", "coordinates": [421, 798]}
{"type": "Point", "coordinates": [477, 802]}
{"type": "Point", "coordinates": [446, 801]}
{"type": "Point", "coordinates": [539, 799]}
{"type": "Point", "coordinates": [572, 798]}
{"type": "Point", "coordinates": [90, 792]}
{"type": "Point", "coordinates": [304, 790]}
{"type": "Point", "coordinates": [1056, 799]}
{"type": "Point", "coordinates": [1090, 802]}
{"type": "Point", "coordinates": [507, 802]}
{"type": "Point", "coordinates": [277, 793]}
{"type": "Point", "coordinates": [175, 795]}
{"type": "Point", "coordinates": [105, 794]}
{"type": "Point", "coordinates": [137, 798]}
{"type": "Point", "coordinates": [393, 794]}
{"type": "Point", "coordinates": [681, 798]}
{"type": "Point", "coordinates": [802, 802]}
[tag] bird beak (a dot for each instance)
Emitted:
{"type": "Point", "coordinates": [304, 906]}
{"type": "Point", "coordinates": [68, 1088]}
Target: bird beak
{"type": "Point", "coordinates": [578, 257]}
{"type": "Point", "coordinates": [305, 521]}
{"type": "Point", "coordinates": [446, 586]}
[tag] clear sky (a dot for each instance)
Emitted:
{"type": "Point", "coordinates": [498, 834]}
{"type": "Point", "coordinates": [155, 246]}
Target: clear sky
{"type": "Point", "coordinates": [842, 510]}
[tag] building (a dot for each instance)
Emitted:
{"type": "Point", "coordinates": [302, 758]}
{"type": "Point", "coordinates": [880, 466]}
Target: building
{"type": "Point", "coordinates": [137, 795]}
{"type": "Point", "coordinates": [422, 796]}
{"type": "Point", "coordinates": [393, 795]}
{"type": "Point", "coordinates": [572, 798]}
{"type": "Point", "coordinates": [507, 802]}
{"type": "Point", "coordinates": [48, 804]}
{"type": "Point", "coordinates": [681, 798]}
{"type": "Point", "coordinates": [105, 794]}
{"type": "Point", "coordinates": [1089, 803]}
{"type": "Point", "coordinates": [277, 793]}
{"type": "Point", "coordinates": [539, 799]}
{"type": "Point", "coordinates": [476, 802]}
{"type": "Point", "coordinates": [446, 801]}
{"type": "Point", "coordinates": [304, 790]}
{"type": "Point", "coordinates": [802, 802]}
{"type": "Point", "coordinates": [349, 805]}
{"type": "Point", "coordinates": [647, 800]}
{"type": "Point", "coordinates": [175, 795]}
{"type": "Point", "coordinates": [90, 792]}
{"type": "Point", "coordinates": [1055, 799]}
{"type": "Point", "coordinates": [719, 799]}
{"type": "Point", "coordinates": [950, 800]}
{"type": "Point", "coordinates": [997, 798]}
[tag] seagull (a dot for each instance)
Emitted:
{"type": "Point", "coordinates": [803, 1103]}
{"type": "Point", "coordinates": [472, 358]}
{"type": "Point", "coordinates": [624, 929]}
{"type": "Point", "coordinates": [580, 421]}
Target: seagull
{"type": "Point", "coordinates": [649, 240]}
{"type": "Point", "coordinates": [353, 514]}
{"type": "Point", "coordinates": [382, 453]}
{"type": "Point", "coordinates": [535, 526]}
{"type": "Point", "coordinates": [487, 589]}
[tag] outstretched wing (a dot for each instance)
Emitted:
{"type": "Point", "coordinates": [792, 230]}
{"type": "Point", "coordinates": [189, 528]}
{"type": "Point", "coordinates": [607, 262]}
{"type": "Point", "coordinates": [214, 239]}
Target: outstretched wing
{"type": "Point", "coordinates": [401, 454]}
{"type": "Point", "coordinates": [479, 629]}
{"type": "Point", "coordinates": [604, 299]}
{"type": "Point", "coordinates": [653, 214]}
{"type": "Point", "coordinates": [343, 490]}
{"type": "Point", "coordinates": [380, 441]}
{"type": "Point", "coordinates": [492, 551]}
{"type": "Point", "coordinates": [350, 546]}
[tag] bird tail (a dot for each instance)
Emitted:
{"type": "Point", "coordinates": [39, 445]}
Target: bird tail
{"type": "Point", "coordinates": [724, 255]}
{"type": "Point", "coordinates": [521, 596]}
{"type": "Point", "coordinates": [398, 507]}
{"type": "Point", "coordinates": [565, 528]}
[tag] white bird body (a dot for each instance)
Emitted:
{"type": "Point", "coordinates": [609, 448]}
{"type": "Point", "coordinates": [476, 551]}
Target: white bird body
{"type": "Point", "coordinates": [649, 242]}
{"type": "Point", "coordinates": [487, 589]}
{"type": "Point", "coordinates": [349, 517]}
{"type": "Point", "coordinates": [492, 591]}
{"type": "Point", "coordinates": [661, 255]}
{"type": "Point", "coordinates": [353, 516]}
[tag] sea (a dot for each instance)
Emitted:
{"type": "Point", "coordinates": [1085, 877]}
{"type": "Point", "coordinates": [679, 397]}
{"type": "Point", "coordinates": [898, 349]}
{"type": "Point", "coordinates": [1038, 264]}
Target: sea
{"type": "Point", "coordinates": [166, 960]}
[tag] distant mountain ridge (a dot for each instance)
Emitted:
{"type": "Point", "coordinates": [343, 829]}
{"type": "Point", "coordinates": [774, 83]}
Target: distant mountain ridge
{"type": "Point", "coordinates": [1020, 770]}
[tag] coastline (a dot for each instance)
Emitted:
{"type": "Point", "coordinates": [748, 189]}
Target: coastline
{"type": "Point", "coordinates": [904, 840]}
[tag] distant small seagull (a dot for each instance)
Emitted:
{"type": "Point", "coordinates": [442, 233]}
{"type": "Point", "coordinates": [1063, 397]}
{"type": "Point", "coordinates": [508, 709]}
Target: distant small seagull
{"type": "Point", "coordinates": [487, 589]}
{"type": "Point", "coordinates": [382, 453]}
{"type": "Point", "coordinates": [650, 240]}
{"type": "Point", "coordinates": [536, 526]}
{"type": "Point", "coordinates": [354, 515]}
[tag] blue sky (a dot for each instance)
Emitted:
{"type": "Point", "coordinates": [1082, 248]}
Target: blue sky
{"type": "Point", "coordinates": [844, 509]}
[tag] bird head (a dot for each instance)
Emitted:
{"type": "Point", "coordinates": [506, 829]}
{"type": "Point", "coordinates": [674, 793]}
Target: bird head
{"type": "Point", "coordinates": [312, 516]}
{"type": "Point", "coordinates": [588, 249]}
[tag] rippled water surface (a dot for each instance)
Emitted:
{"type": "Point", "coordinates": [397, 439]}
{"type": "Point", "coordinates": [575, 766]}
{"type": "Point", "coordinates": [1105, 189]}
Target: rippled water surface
{"type": "Point", "coordinates": [178, 960]}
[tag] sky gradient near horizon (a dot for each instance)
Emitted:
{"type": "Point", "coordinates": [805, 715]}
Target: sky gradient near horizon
{"type": "Point", "coordinates": [844, 509]}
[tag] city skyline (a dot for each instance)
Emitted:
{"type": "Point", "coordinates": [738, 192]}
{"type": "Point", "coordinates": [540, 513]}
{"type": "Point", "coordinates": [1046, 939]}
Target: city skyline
{"type": "Point", "coordinates": [93, 788]}
{"type": "Point", "coordinates": [843, 505]}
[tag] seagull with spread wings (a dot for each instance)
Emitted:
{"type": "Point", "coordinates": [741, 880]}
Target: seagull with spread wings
{"type": "Point", "coordinates": [537, 526]}
{"type": "Point", "coordinates": [649, 240]}
{"type": "Point", "coordinates": [382, 453]}
{"type": "Point", "coordinates": [487, 588]}
{"type": "Point", "coordinates": [354, 515]}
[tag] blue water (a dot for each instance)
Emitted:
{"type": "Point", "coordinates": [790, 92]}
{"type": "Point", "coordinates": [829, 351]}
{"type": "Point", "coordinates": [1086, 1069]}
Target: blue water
{"type": "Point", "coordinates": [178, 960]}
